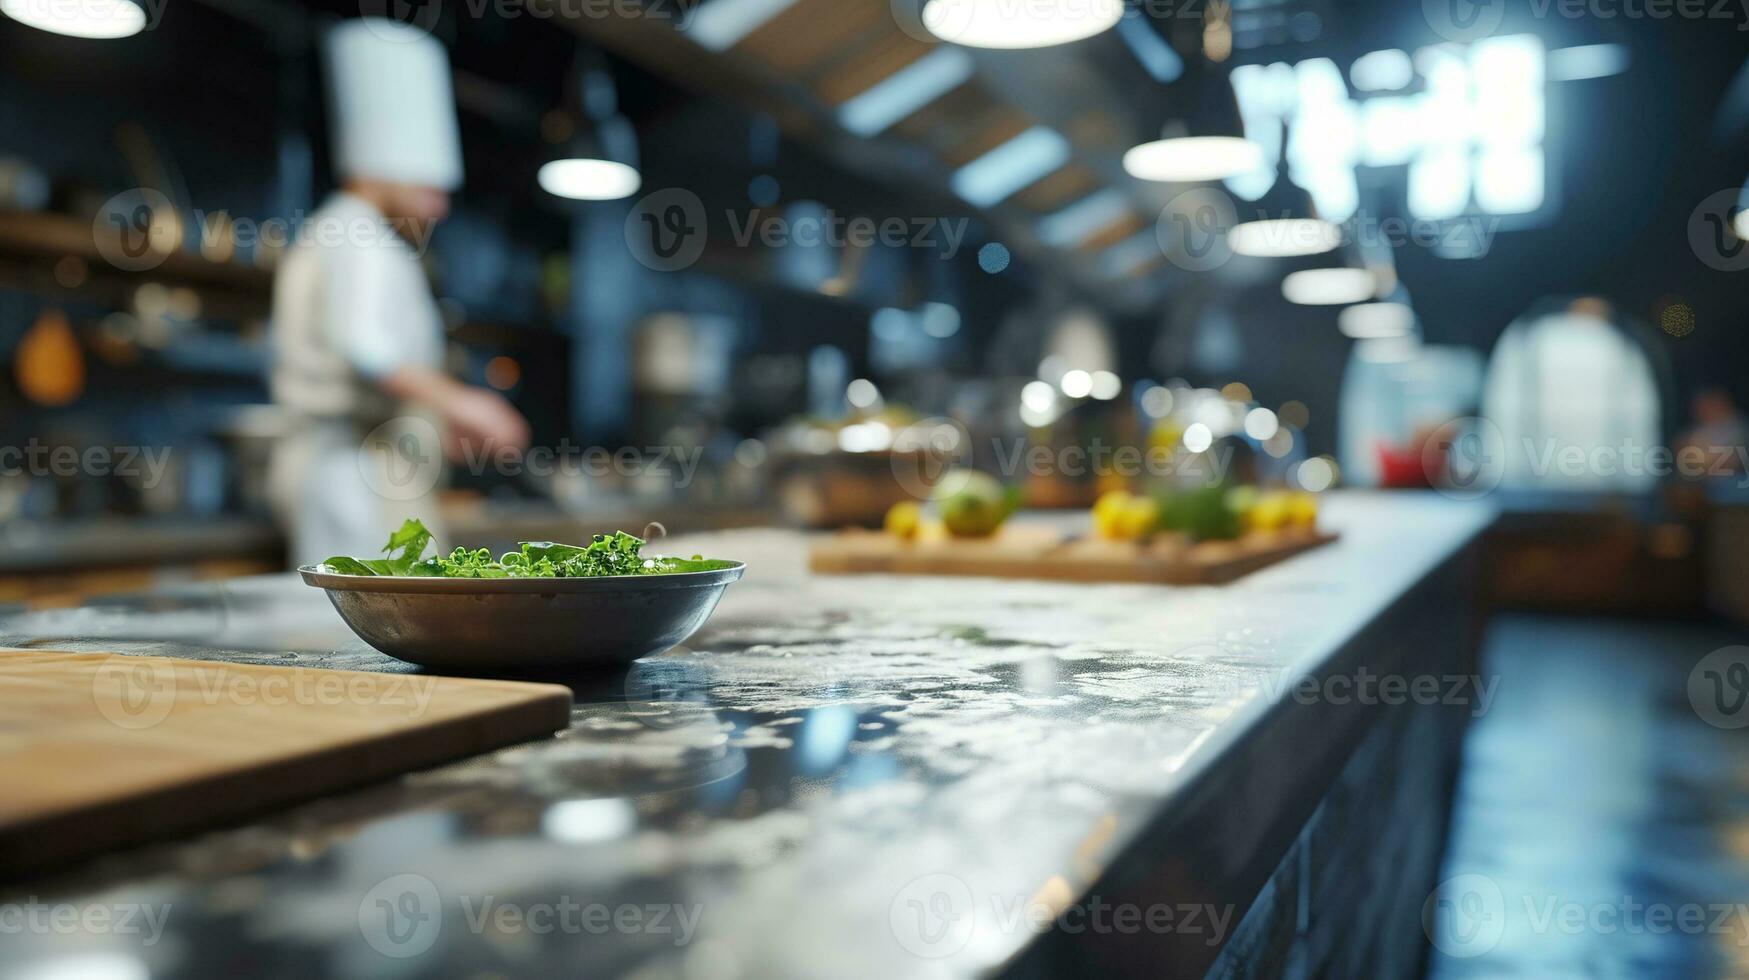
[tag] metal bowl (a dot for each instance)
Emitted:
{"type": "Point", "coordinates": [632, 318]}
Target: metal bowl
{"type": "Point", "coordinates": [524, 622]}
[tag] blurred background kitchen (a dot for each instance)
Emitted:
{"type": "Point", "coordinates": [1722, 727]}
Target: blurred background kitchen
{"type": "Point", "coordinates": [1527, 218]}
{"type": "Point", "coordinates": [738, 262]}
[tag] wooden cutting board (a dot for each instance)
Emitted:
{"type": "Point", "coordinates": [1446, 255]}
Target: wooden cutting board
{"type": "Point", "coordinates": [100, 750]}
{"type": "Point", "coordinates": [1035, 552]}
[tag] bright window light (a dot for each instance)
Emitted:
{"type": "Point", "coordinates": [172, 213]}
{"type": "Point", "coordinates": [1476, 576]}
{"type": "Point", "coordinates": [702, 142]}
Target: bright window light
{"type": "Point", "coordinates": [1019, 23]}
{"type": "Point", "coordinates": [1439, 183]}
{"type": "Point", "coordinates": [1076, 222]}
{"type": "Point", "coordinates": [1333, 188]}
{"type": "Point", "coordinates": [1390, 130]}
{"type": "Point", "coordinates": [1382, 71]}
{"type": "Point", "coordinates": [1586, 61]}
{"type": "Point", "coordinates": [1375, 321]}
{"type": "Point", "coordinates": [1192, 158]}
{"type": "Point", "coordinates": [905, 91]}
{"type": "Point", "coordinates": [96, 19]}
{"type": "Point", "coordinates": [1510, 180]}
{"type": "Point", "coordinates": [1266, 95]}
{"type": "Point", "coordinates": [1508, 81]}
{"type": "Point", "coordinates": [1284, 237]}
{"type": "Point", "coordinates": [1468, 133]}
{"type": "Point", "coordinates": [993, 177]}
{"type": "Point", "coordinates": [720, 24]}
{"type": "Point", "coordinates": [589, 180]}
{"type": "Point", "coordinates": [1328, 287]}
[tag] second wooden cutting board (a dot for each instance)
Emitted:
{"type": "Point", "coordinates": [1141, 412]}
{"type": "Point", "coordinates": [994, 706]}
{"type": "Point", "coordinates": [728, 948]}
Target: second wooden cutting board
{"type": "Point", "coordinates": [1034, 552]}
{"type": "Point", "coordinates": [100, 750]}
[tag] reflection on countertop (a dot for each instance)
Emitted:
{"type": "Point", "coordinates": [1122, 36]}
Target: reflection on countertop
{"type": "Point", "coordinates": [778, 798]}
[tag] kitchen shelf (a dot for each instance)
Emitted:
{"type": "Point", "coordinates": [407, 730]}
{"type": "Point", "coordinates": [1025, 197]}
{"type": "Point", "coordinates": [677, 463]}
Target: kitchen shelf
{"type": "Point", "coordinates": [46, 235]}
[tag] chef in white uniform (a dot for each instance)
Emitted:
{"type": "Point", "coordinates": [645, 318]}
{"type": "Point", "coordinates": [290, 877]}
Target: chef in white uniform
{"type": "Point", "coordinates": [357, 338]}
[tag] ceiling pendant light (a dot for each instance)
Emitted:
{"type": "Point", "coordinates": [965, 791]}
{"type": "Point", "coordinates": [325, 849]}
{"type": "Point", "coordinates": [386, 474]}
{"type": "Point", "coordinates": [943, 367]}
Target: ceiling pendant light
{"type": "Point", "coordinates": [97, 19]}
{"type": "Point", "coordinates": [1207, 144]}
{"type": "Point", "coordinates": [1285, 224]}
{"type": "Point", "coordinates": [599, 162]}
{"type": "Point", "coordinates": [1333, 286]}
{"type": "Point", "coordinates": [1192, 158]}
{"type": "Point", "coordinates": [1005, 24]}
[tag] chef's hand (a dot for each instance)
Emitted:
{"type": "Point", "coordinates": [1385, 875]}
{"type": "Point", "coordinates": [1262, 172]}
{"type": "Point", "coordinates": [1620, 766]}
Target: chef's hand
{"type": "Point", "coordinates": [481, 425]}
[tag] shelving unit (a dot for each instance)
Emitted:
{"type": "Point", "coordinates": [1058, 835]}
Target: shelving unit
{"type": "Point", "coordinates": [46, 235]}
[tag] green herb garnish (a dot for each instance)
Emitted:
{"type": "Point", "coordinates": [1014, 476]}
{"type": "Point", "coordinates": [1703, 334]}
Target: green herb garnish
{"type": "Point", "coordinates": [608, 554]}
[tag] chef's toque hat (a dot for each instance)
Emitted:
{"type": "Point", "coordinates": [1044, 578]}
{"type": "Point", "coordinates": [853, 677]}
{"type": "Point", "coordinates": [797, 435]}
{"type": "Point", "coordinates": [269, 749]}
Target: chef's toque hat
{"type": "Point", "coordinates": [392, 106]}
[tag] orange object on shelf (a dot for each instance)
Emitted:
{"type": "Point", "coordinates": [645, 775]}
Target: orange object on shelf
{"type": "Point", "coordinates": [48, 365]}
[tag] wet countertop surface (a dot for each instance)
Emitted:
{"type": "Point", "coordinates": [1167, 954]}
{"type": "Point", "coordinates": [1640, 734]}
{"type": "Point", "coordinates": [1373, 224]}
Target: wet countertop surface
{"type": "Point", "coordinates": [810, 787]}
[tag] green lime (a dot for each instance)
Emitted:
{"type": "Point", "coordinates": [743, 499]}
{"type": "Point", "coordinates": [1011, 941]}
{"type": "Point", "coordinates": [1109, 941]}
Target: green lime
{"type": "Point", "coordinates": [972, 504]}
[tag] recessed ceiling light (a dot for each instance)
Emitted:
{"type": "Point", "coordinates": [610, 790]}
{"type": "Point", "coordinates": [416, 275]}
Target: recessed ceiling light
{"type": "Point", "coordinates": [905, 91]}
{"type": "Point", "coordinates": [1077, 222]}
{"type": "Point", "coordinates": [993, 177]}
{"type": "Point", "coordinates": [721, 24]}
{"type": "Point", "coordinates": [1005, 24]}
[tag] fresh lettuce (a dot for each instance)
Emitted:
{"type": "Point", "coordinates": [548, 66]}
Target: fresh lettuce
{"type": "Point", "coordinates": [608, 554]}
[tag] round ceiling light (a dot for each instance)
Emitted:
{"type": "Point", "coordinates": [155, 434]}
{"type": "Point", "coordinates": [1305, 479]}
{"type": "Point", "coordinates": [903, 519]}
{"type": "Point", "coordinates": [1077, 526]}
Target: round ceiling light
{"type": "Point", "coordinates": [1192, 158]}
{"type": "Point", "coordinates": [587, 180]}
{"type": "Point", "coordinates": [1005, 24]}
{"type": "Point", "coordinates": [1329, 287]}
{"type": "Point", "coordinates": [100, 19]}
{"type": "Point", "coordinates": [1284, 237]}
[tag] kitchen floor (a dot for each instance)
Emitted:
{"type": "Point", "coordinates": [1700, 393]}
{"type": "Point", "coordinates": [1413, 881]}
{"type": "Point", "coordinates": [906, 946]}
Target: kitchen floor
{"type": "Point", "coordinates": [1602, 826]}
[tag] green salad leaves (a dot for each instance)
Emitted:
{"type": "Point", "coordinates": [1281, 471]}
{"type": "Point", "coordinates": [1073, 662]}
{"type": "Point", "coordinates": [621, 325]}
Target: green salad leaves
{"type": "Point", "coordinates": [607, 554]}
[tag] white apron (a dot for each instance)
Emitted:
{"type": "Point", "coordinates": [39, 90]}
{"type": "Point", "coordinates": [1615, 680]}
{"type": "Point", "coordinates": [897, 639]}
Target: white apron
{"type": "Point", "coordinates": [350, 305]}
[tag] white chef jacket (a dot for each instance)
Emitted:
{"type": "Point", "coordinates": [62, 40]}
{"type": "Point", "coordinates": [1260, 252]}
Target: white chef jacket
{"type": "Point", "coordinates": [351, 305]}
